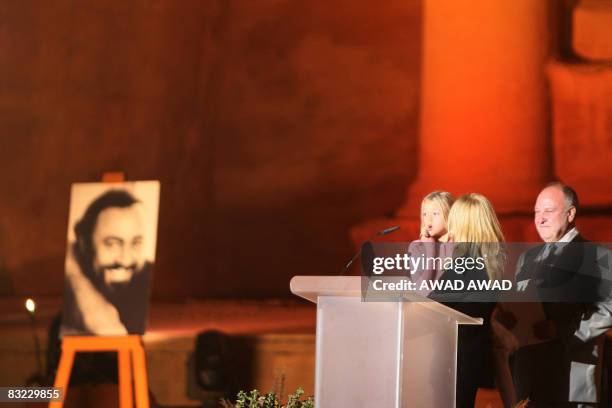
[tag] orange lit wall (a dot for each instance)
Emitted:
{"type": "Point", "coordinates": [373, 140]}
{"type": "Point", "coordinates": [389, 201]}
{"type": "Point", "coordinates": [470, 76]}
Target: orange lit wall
{"type": "Point", "coordinates": [484, 101]}
{"type": "Point", "coordinates": [277, 126]}
{"type": "Point", "coordinates": [507, 105]}
{"type": "Point", "coordinates": [274, 126]}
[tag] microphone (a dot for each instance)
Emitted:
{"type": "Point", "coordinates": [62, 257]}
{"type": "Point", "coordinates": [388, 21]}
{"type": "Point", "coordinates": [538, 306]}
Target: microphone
{"type": "Point", "coordinates": [386, 231]}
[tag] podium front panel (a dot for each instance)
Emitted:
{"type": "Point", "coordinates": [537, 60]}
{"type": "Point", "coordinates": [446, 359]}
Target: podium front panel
{"type": "Point", "coordinates": [358, 349]}
{"type": "Point", "coordinates": [429, 357]}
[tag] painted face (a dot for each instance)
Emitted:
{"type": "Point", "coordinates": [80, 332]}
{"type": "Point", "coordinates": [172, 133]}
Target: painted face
{"type": "Point", "coordinates": [433, 220]}
{"type": "Point", "coordinates": [117, 241]}
{"type": "Point", "coordinates": [552, 218]}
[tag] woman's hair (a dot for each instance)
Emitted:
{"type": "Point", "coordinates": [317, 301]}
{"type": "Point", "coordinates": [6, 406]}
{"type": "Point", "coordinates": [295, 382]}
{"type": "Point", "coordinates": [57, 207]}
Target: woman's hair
{"type": "Point", "coordinates": [473, 224]}
{"type": "Point", "coordinates": [443, 199]}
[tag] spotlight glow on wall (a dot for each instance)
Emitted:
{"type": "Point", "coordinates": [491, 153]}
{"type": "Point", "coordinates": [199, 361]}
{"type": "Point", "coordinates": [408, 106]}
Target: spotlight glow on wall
{"type": "Point", "coordinates": [30, 305]}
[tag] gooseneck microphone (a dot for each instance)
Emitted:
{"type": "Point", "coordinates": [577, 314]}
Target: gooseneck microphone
{"type": "Point", "coordinates": [379, 234]}
{"type": "Point", "coordinates": [388, 230]}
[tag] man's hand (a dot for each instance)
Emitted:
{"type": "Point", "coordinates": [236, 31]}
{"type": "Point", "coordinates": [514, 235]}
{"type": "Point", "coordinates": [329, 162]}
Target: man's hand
{"type": "Point", "coordinates": [99, 316]}
{"type": "Point", "coordinates": [522, 404]}
{"type": "Point", "coordinates": [506, 318]}
{"type": "Point", "coordinates": [71, 265]}
{"type": "Point", "coordinates": [545, 330]}
{"type": "Point", "coordinates": [103, 319]}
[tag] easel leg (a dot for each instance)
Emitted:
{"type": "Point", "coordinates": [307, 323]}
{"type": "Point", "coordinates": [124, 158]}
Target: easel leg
{"type": "Point", "coordinates": [140, 378]}
{"type": "Point", "coordinates": [63, 375]}
{"type": "Point", "coordinates": [125, 379]}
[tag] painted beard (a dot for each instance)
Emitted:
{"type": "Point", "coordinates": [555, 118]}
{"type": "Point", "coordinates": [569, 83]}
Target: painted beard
{"type": "Point", "coordinates": [128, 297]}
{"type": "Point", "coordinates": [115, 277]}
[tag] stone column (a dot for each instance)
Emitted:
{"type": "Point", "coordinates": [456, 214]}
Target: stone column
{"type": "Point", "coordinates": [484, 123]}
{"type": "Point", "coordinates": [592, 32]}
{"type": "Point", "coordinates": [581, 96]}
{"type": "Point", "coordinates": [484, 115]}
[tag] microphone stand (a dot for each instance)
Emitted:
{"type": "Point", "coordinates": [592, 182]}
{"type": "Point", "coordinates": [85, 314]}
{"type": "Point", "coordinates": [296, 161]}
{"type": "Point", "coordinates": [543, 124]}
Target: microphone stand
{"type": "Point", "coordinates": [38, 377]}
{"type": "Point", "coordinates": [380, 234]}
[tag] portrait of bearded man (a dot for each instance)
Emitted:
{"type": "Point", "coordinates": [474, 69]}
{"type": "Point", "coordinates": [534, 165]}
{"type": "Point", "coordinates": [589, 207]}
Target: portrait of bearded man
{"type": "Point", "coordinates": [108, 273]}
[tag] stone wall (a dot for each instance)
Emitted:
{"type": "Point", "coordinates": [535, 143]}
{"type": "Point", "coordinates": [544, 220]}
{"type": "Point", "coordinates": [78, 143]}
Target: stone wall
{"type": "Point", "coordinates": [273, 126]}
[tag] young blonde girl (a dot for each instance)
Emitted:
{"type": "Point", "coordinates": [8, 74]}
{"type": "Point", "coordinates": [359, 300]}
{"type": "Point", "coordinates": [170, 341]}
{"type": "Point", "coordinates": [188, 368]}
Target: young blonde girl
{"type": "Point", "coordinates": [434, 217]}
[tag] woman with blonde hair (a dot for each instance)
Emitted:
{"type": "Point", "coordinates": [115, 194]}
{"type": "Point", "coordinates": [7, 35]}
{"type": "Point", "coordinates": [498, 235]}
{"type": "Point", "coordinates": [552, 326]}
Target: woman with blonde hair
{"type": "Point", "coordinates": [475, 233]}
{"type": "Point", "coordinates": [473, 223]}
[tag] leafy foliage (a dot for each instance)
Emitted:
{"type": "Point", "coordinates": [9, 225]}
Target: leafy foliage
{"type": "Point", "coordinates": [254, 399]}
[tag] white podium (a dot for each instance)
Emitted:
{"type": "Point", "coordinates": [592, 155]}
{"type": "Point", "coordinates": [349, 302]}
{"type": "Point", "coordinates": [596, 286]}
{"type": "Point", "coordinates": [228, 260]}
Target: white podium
{"type": "Point", "coordinates": [375, 354]}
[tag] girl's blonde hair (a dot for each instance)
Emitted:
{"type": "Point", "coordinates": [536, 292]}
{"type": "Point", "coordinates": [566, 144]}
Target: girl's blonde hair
{"type": "Point", "coordinates": [473, 224]}
{"type": "Point", "coordinates": [443, 199]}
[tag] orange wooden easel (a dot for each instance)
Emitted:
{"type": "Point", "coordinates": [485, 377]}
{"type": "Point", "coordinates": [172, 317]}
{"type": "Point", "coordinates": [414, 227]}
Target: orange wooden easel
{"type": "Point", "coordinates": [131, 361]}
{"type": "Point", "coordinates": [129, 352]}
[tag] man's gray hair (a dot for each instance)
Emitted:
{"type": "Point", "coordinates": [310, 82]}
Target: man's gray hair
{"type": "Point", "coordinates": [571, 198]}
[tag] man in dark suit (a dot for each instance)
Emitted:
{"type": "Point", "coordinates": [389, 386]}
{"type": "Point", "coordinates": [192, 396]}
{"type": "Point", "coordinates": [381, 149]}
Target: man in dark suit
{"type": "Point", "coordinates": [564, 370]}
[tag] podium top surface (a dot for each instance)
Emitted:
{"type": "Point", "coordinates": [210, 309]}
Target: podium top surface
{"type": "Point", "coordinates": [311, 287]}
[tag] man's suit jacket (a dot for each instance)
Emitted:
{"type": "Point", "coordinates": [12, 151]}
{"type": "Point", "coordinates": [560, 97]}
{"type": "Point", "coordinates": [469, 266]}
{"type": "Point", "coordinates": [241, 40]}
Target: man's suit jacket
{"type": "Point", "coordinates": [575, 294]}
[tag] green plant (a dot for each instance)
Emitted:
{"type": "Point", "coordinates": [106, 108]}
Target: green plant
{"type": "Point", "coordinates": [254, 399]}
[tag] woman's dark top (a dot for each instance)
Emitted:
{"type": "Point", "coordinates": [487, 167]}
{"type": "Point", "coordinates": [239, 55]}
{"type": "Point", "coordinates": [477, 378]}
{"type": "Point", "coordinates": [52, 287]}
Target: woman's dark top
{"type": "Point", "coordinates": [474, 347]}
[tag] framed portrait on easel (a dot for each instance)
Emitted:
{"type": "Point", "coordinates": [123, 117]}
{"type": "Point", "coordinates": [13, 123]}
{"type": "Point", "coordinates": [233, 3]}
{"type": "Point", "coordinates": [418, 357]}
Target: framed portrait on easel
{"type": "Point", "coordinates": [112, 233]}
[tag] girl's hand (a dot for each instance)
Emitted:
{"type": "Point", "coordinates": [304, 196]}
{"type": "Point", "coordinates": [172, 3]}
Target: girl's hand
{"type": "Point", "coordinates": [423, 233]}
{"type": "Point", "coordinates": [448, 237]}
{"type": "Point", "coordinates": [425, 237]}
{"type": "Point", "coordinates": [428, 239]}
